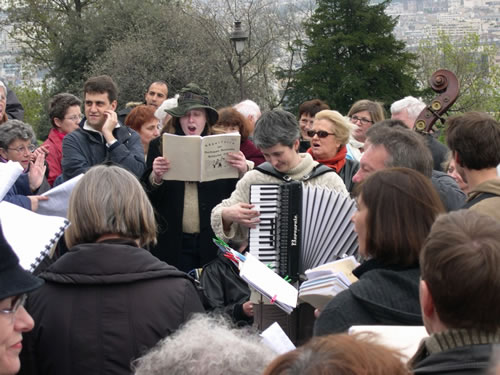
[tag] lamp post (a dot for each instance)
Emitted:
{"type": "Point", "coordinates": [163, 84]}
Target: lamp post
{"type": "Point", "coordinates": [238, 38]}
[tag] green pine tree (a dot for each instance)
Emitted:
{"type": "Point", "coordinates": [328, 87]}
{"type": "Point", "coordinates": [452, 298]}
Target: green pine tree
{"type": "Point", "coordinates": [352, 54]}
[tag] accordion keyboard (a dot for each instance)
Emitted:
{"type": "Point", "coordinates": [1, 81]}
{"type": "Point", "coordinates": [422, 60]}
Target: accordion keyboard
{"type": "Point", "coordinates": [262, 238]}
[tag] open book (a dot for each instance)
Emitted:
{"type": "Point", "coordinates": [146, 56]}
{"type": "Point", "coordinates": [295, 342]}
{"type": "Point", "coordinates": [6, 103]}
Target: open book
{"type": "Point", "coordinates": [326, 281]}
{"type": "Point", "coordinates": [195, 158]}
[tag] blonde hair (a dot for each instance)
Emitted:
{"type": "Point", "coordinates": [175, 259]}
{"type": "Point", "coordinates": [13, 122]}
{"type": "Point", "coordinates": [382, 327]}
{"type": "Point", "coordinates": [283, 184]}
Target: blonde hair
{"type": "Point", "coordinates": [340, 126]}
{"type": "Point", "coordinates": [109, 200]}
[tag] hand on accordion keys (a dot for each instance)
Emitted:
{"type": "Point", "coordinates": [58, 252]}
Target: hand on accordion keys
{"type": "Point", "coordinates": [241, 213]}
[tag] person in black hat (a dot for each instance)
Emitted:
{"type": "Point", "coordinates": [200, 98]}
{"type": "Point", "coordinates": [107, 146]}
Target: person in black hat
{"type": "Point", "coordinates": [14, 319]}
{"type": "Point", "coordinates": [183, 208]}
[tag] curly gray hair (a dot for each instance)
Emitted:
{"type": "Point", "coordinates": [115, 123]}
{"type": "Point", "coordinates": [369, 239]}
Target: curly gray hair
{"type": "Point", "coordinates": [207, 345]}
{"type": "Point", "coordinates": [14, 129]}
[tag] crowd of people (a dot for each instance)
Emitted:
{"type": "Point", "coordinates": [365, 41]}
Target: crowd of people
{"type": "Point", "coordinates": [139, 287]}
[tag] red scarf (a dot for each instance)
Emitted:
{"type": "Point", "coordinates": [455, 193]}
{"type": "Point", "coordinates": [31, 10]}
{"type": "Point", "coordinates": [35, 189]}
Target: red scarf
{"type": "Point", "coordinates": [337, 162]}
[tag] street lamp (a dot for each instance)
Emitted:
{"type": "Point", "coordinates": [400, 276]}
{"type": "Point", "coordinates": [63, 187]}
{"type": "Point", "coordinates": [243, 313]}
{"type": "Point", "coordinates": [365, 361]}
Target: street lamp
{"type": "Point", "coordinates": [239, 37]}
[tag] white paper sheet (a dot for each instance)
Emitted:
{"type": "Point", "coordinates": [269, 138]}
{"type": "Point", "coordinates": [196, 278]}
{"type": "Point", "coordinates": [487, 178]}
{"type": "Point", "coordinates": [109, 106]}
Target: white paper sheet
{"type": "Point", "coordinates": [9, 172]}
{"type": "Point", "coordinates": [57, 204]}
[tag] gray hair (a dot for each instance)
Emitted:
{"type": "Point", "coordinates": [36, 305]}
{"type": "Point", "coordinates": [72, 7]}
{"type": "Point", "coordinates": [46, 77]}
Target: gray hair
{"type": "Point", "coordinates": [405, 147]}
{"type": "Point", "coordinates": [412, 105]}
{"type": "Point", "coordinates": [207, 345]}
{"type": "Point", "coordinates": [274, 127]}
{"type": "Point", "coordinates": [14, 129]}
{"type": "Point", "coordinates": [248, 108]}
{"type": "Point", "coordinates": [109, 200]}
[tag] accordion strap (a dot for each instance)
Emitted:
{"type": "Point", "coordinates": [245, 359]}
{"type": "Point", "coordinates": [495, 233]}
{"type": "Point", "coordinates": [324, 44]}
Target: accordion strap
{"type": "Point", "coordinates": [268, 169]}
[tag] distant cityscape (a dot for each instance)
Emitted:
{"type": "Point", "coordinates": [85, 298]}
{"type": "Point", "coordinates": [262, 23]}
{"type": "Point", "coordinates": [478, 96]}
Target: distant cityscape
{"type": "Point", "coordinates": [417, 20]}
{"type": "Point", "coordinates": [424, 19]}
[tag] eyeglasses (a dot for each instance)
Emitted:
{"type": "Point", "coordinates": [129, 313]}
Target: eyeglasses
{"type": "Point", "coordinates": [17, 302]}
{"type": "Point", "coordinates": [75, 118]}
{"type": "Point", "coordinates": [320, 133]}
{"type": "Point", "coordinates": [362, 120]}
{"type": "Point", "coordinates": [22, 149]}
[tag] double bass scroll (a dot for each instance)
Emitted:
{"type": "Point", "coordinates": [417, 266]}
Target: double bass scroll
{"type": "Point", "coordinates": [445, 83]}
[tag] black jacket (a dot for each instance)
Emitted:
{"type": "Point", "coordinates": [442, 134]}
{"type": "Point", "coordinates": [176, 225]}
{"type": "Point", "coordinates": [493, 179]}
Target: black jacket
{"type": "Point", "coordinates": [168, 202]}
{"type": "Point", "coordinates": [225, 291]}
{"type": "Point", "coordinates": [347, 172]}
{"type": "Point", "coordinates": [83, 149]}
{"type": "Point", "coordinates": [103, 305]}
{"type": "Point", "coordinates": [383, 295]}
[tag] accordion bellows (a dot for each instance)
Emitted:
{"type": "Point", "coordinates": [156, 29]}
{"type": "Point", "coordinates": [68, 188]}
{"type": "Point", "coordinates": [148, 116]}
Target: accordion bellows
{"type": "Point", "coordinates": [301, 226]}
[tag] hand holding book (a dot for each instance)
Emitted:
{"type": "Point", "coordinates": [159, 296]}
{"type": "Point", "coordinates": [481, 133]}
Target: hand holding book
{"type": "Point", "coordinates": [195, 158]}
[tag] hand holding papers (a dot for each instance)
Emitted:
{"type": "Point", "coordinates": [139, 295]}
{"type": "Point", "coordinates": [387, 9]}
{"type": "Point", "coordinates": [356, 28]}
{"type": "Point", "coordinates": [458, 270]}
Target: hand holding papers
{"type": "Point", "coordinates": [262, 278]}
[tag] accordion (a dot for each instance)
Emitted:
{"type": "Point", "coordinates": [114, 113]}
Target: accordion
{"type": "Point", "coordinates": [301, 227]}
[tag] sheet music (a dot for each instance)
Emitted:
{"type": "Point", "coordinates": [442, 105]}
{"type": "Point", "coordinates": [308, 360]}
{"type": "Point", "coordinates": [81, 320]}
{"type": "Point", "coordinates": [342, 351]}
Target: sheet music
{"type": "Point", "coordinates": [275, 338]}
{"type": "Point", "coordinates": [28, 232]}
{"type": "Point", "coordinates": [57, 204]}
{"type": "Point", "coordinates": [268, 283]}
{"type": "Point", "coordinates": [9, 172]}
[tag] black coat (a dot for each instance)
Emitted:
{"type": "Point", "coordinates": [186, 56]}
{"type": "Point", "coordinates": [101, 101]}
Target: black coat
{"type": "Point", "coordinates": [347, 172]}
{"type": "Point", "coordinates": [224, 290]}
{"type": "Point", "coordinates": [168, 202]}
{"type": "Point", "coordinates": [103, 305]}
{"type": "Point", "coordinates": [383, 295]}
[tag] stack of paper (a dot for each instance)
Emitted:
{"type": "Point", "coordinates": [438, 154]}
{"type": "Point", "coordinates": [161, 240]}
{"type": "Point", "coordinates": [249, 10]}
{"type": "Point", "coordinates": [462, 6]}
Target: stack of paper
{"type": "Point", "coordinates": [326, 281]}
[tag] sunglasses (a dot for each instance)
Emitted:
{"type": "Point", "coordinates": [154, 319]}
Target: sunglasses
{"type": "Point", "coordinates": [320, 133]}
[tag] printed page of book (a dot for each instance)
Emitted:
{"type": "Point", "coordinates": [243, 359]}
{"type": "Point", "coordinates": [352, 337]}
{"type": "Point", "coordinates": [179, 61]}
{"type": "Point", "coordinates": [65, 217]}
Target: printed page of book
{"type": "Point", "coordinates": [29, 233]}
{"type": "Point", "coordinates": [9, 172]}
{"type": "Point", "coordinates": [183, 152]}
{"type": "Point", "coordinates": [58, 202]}
{"type": "Point", "coordinates": [214, 150]}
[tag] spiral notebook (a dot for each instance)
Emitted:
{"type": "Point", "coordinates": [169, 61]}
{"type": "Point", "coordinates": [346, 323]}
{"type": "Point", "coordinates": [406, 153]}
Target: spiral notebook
{"type": "Point", "coordinates": [31, 235]}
